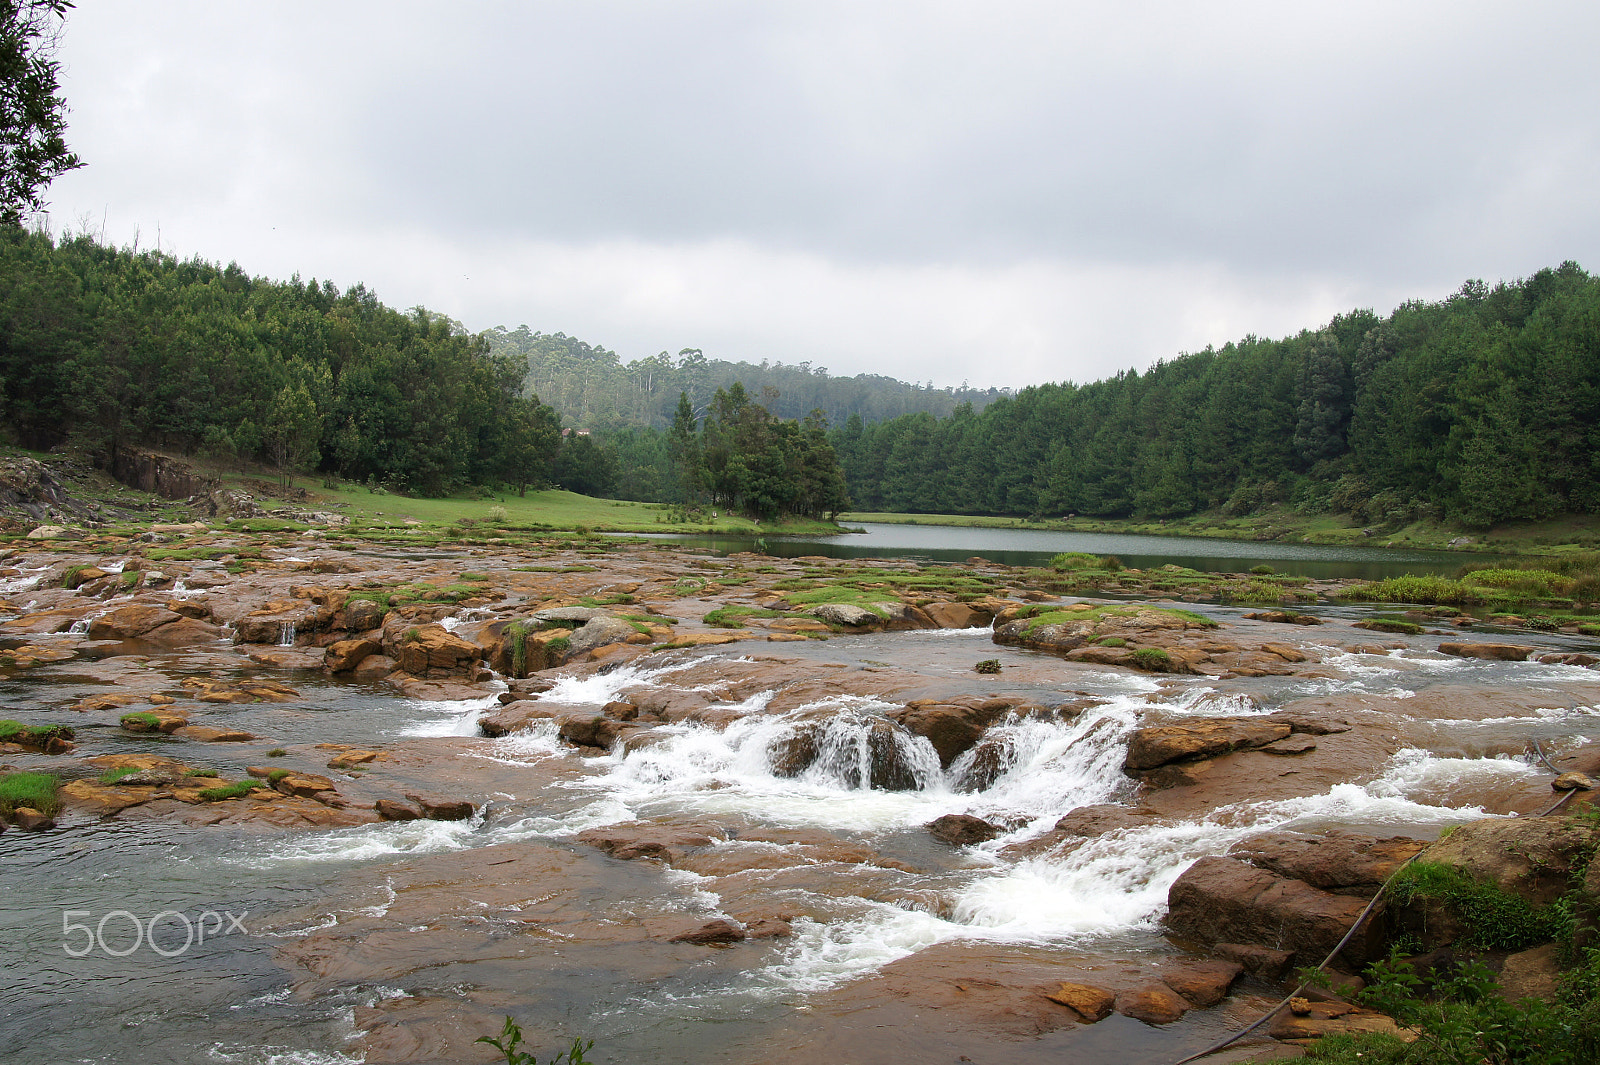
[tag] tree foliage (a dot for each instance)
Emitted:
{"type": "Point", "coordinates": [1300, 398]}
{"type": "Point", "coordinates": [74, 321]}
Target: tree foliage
{"type": "Point", "coordinates": [33, 147]}
{"type": "Point", "coordinates": [745, 459]}
{"type": "Point", "coordinates": [105, 347]}
{"type": "Point", "coordinates": [1483, 407]}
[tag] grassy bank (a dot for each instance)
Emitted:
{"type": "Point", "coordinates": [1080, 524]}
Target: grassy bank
{"type": "Point", "coordinates": [1567, 534]}
{"type": "Point", "coordinates": [551, 510]}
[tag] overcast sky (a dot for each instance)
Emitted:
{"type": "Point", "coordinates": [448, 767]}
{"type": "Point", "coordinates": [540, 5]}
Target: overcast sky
{"type": "Point", "coordinates": [999, 192]}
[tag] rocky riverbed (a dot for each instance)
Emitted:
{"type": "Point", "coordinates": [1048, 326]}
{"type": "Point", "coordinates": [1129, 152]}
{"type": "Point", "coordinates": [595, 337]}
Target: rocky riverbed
{"type": "Point", "coordinates": [739, 809]}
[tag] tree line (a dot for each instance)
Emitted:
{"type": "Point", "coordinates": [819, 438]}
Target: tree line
{"type": "Point", "coordinates": [1480, 408]}
{"type": "Point", "coordinates": [101, 347]}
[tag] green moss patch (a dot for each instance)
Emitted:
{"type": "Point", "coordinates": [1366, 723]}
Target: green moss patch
{"type": "Point", "coordinates": [836, 593]}
{"type": "Point", "coordinates": [230, 791]}
{"type": "Point", "coordinates": [1494, 918]}
{"type": "Point", "coordinates": [39, 791]}
{"type": "Point", "coordinates": [733, 617]}
{"type": "Point", "coordinates": [32, 735]}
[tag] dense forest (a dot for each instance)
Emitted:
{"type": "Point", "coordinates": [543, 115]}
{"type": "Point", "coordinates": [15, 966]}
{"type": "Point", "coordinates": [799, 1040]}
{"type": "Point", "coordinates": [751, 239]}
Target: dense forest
{"type": "Point", "coordinates": [595, 390]}
{"type": "Point", "coordinates": [101, 347]}
{"type": "Point", "coordinates": [745, 459]}
{"type": "Point", "coordinates": [1479, 408]}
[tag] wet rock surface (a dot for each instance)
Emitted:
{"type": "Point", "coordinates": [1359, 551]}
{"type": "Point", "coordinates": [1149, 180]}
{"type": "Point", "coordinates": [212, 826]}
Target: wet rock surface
{"type": "Point", "coordinates": [196, 647]}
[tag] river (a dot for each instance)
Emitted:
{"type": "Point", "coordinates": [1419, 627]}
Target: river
{"type": "Point", "coordinates": [402, 941]}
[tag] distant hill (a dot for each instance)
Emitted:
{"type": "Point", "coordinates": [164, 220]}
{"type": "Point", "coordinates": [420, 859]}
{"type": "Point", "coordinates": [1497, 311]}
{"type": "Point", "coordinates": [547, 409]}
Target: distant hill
{"type": "Point", "coordinates": [594, 389]}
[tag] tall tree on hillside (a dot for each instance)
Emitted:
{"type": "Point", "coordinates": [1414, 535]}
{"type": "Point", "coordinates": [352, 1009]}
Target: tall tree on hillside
{"type": "Point", "coordinates": [33, 148]}
{"type": "Point", "coordinates": [531, 443]}
{"type": "Point", "coordinates": [684, 447]}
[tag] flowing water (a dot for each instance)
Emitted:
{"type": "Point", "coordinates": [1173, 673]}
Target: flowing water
{"type": "Point", "coordinates": [84, 983]}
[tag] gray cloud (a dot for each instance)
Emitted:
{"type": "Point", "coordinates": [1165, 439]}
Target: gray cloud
{"type": "Point", "coordinates": [878, 186]}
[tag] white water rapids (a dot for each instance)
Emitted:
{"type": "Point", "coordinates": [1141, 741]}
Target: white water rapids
{"type": "Point", "coordinates": [1111, 890]}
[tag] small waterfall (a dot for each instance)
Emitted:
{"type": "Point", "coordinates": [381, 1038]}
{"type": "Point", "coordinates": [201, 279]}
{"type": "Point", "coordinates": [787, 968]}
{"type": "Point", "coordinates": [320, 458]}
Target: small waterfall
{"type": "Point", "coordinates": [79, 628]}
{"type": "Point", "coordinates": [286, 634]}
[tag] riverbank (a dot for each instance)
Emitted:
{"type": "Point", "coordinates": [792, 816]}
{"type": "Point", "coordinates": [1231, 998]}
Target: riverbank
{"type": "Point", "coordinates": [1559, 536]}
{"type": "Point", "coordinates": [58, 489]}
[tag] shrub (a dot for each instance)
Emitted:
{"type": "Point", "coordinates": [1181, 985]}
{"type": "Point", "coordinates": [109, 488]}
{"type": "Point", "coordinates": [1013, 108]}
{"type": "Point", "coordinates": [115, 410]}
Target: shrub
{"type": "Point", "coordinates": [988, 665]}
{"type": "Point", "coordinates": [511, 1037]}
{"type": "Point", "coordinates": [1153, 659]}
{"type": "Point", "coordinates": [34, 790]}
{"type": "Point", "coordinates": [276, 775]}
{"type": "Point", "coordinates": [1414, 589]}
{"type": "Point", "coordinates": [276, 752]}
{"type": "Point", "coordinates": [1074, 560]}
{"type": "Point", "coordinates": [1111, 564]}
{"type": "Point", "coordinates": [1465, 1019]}
{"type": "Point", "coordinates": [230, 791]}
{"type": "Point", "coordinates": [1494, 918]}
{"type": "Point", "coordinates": [517, 633]}
{"type": "Point", "coordinates": [1262, 571]}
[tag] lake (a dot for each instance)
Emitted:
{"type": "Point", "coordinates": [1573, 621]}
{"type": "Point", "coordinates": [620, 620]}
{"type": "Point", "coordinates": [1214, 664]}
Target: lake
{"type": "Point", "coordinates": [1035, 547]}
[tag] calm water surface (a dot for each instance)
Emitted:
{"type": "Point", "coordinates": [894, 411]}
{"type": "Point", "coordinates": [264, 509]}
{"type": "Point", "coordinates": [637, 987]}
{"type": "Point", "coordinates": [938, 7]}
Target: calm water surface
{"type": "Point", "coordinates": [1035, 547]}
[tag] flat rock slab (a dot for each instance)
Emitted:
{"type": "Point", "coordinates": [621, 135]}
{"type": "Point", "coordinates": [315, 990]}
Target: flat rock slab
{"type": "Point", "coordinates": [1495, 652]}
{"type": "Point", "coordinates": [1200, 738]}
{"type": "Point", "coordinates": [1224, 900]}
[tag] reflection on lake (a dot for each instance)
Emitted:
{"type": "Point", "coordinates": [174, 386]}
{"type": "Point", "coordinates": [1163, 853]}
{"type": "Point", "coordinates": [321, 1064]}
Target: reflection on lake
{"type": "Point", "coordinates": [1035, 547]}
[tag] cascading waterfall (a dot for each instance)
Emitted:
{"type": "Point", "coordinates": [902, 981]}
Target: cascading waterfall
{"type": "Point", "coordinates": [286, 634]}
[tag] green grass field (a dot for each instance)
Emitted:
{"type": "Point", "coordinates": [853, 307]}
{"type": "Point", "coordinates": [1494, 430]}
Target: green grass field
{"type": "Point", "coordinates": [553, 509]}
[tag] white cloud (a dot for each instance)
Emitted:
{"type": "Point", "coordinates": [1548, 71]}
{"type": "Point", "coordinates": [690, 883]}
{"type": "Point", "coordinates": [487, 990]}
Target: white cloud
{"type": "Point", "coordinates": [1006, 193]}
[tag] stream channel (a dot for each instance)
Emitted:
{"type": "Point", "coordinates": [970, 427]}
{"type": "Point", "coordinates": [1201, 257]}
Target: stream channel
{"type": "Point", "coordinates": [425, 922]}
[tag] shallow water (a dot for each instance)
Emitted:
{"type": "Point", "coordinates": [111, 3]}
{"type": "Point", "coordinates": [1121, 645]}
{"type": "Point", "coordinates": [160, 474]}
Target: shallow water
{"type": "Point", "coordinates": [581, 967]}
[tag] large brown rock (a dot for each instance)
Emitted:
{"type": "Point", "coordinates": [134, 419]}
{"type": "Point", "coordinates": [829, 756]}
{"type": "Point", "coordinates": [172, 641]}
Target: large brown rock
{"type": "Point", "coordinates": [1224, 900]}
{"type": "Point", "coordinates": [952, 728]}
{"type": "Point", "coordinates": [432, 650]}
{"type": "Point", "coordinates": [512, 717]}
{"type": "Point", "coordinates": [1497, 652]}
{"type": "Point", "coordinates": [266, 624]}
{"type": "Point", "coordinates": [962, 829]}
{"type": "Point", "coordinates": [642, 839]}
{"type": "Point", "coordinates": [1202, 983]}
{"type": "Point", "coordinates": [1200, 738]}
{"type": "Point", "coordinates": [442, 808]}
{"type": "Point", "coordinates": [1335, 1018]}
{"type": "Point", "coordinates": [1087, 1001]}
{"type": "Point", "coordinates": [361, 615]}
{"type": "Point", "coordinates": [958, 615]}
{"type": "Point", "coordinates": [130, 622]}
{"type": "Point", "coordinates": [346, 655]}
{"type": "Point", "coordinates": [1152, 1003]}
{"type": "Point", "coordinates": [719, 930]}
{"type": "Point", "coordinates": [1341, 862]}
{"type": "Point", "coordinates": [1531, 857]}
